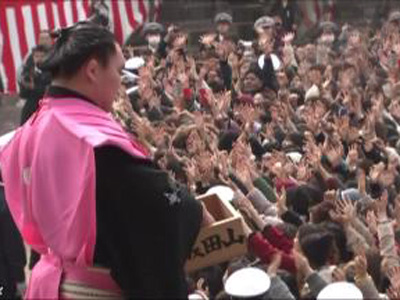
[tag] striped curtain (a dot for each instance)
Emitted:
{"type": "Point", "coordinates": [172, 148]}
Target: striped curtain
{"type": "Point", "coordinates": [22, 20]}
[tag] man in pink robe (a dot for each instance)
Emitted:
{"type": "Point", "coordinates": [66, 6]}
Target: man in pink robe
{"type": "Point", "coordinates": [84, 194]}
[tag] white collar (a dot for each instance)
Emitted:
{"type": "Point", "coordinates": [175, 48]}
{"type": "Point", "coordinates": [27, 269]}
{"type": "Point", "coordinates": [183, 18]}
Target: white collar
{"type": "Point", "coordinates": [275, 61]}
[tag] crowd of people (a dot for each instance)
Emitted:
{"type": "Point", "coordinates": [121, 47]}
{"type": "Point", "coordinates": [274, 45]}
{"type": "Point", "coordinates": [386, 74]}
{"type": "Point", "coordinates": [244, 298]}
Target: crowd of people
{"type": "Point", "coordinates": [306, 135]}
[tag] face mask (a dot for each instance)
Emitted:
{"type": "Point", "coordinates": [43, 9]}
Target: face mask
{"type": "Point", "coordinates": [154, 40]}
{"type": "Point", "coordinates": [328, 38]}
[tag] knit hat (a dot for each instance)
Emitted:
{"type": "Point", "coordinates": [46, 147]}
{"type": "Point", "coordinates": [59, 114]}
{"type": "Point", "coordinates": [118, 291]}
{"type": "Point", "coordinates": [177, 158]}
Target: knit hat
{"type": "Point", "coordinates": [328, 26]}
{"type": "Point", "coordinates": [264, 21]}
{"type": "Point", "coordinates": [394, 16]}
{"type": "Point", "coordinates": [152, 27]}
{"type": "Point", "coordinates": [223, 17]}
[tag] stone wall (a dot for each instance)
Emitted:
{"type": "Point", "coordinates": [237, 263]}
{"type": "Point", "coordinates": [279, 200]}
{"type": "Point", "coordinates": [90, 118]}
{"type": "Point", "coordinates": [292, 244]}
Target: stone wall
{"type": "Point", "coordinates": [196, 16]}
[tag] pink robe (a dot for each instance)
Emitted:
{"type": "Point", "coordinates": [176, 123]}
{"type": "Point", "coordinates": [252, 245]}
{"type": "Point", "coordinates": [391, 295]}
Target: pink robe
{"type": "Point", "coordinates": [48, 170]}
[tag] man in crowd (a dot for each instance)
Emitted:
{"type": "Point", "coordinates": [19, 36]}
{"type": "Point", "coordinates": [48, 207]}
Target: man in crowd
{"type": "Point", "coordinates": [223, 25]}
{"type": "Point", "coordinates": [153, 34]}
{"type": "Point", "coordinates": [33, 83]}
{"type": "Point", "coordinates": [288, 13]}
{"type": "Point", "coordinates": [32, 80]}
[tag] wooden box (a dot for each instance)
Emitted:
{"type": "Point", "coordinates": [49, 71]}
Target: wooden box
{"type": "Point", "coordinates": [221, 241]}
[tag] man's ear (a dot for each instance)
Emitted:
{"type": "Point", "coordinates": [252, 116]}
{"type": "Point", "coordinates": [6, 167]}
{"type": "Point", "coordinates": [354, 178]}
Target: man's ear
{"type": "Point", "coordinates": [92, 69]}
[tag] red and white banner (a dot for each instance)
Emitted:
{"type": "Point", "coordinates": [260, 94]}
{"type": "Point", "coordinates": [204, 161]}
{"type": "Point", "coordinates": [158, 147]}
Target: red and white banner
{"type": "Point", "coordinates": [22, 20]}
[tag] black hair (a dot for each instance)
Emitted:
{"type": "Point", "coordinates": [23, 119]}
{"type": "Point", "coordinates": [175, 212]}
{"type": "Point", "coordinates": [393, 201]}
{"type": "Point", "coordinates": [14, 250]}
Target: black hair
{"type": "Point", "coordinates": [300, 199]}
{"type": "Point", "coordinates": [317, 247]}
{"type": "Point", "coordinates": [40, 48]}
{"type": "Point", "coordinates": [255, 69]}
{"type": "Point", "coordinates": [376, 190]}
{"type": "Point", "coordinates": [212, 279]}
{"type": "Point", "coordinates": [339, 236]}
{"type": "Point", "coordinates": [317, 67]}
{"type": "Point", "coordinates": [77, 44]}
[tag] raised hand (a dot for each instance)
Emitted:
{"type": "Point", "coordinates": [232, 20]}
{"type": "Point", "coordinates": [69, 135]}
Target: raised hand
{"type": "Point", "coordinates": [223, 164]}
{"type": "Point", "coordinates": [281, 203]}
{"type": "Point", "coordinates": [245, 204]}
{"type": "Point", "coordinates": [381, 205]}
{"type": "Point", "coordinates": [352, 156]}
{"type": "Point", "coordinates": [338, 275]}
{"type": "Point", "coordinates": [288, 38]}
{"type": "Point", "coordinates": [224, 101]}
{"type": "Point", "coordinates": [372, 222]}
{"type": "Point", "coordinates": [205, 166]}
{"type": "Point", "coordinates": [334, 155]}
{"type": "Point", "coordinates": [194, 143]}
{"type": "Point", "coordinates": [394, 277]}
{"type": "Point", "coordinates": [208, 39]}
{"type": "Point", "coordinates": [360, 265]}
{"type": "Point", "coordinates": [393, 294]}
{"type": "Point", "coordinates": [191, 172]}
{"type": "Point", "coordinates": [346, 209]}
{"type": "Point", "coordinates": [244, 174]}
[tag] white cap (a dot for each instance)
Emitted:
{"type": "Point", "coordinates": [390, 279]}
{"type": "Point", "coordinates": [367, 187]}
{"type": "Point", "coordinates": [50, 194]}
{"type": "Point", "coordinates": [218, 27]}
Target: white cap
{"type": "Point", "coordinates": [247, 283]}
{"type": "Point", "coordinates": [295, 156]}
{"type": "Point", "coordinates": [195, 297]}
{"type": "Point", "coordinates": [223, 192]}
{"type": "Point", "coordinates": [134, 63]}
{"type": "Point", "coordinates": [312, 93]}
{"type": "Point", "coordinates": [340, 290]}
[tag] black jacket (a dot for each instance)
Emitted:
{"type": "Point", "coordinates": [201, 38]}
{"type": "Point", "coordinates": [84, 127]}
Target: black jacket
{"type": "Point", "coordinates": [146, 226]}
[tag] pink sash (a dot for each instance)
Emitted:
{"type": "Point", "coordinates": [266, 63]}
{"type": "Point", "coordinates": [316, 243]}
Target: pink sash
{"type": "Point", "coordinates": [48, 170]}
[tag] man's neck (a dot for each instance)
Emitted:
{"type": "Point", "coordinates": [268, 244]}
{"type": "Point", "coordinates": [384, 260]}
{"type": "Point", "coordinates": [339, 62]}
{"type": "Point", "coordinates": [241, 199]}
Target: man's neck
{"type": "Point", "coordinates": [69, 84]}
